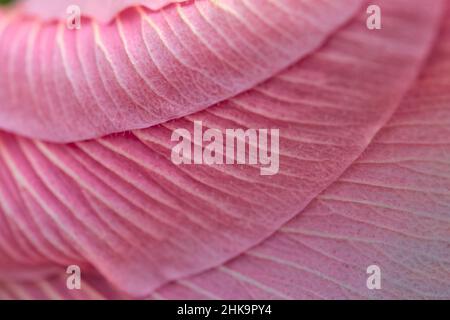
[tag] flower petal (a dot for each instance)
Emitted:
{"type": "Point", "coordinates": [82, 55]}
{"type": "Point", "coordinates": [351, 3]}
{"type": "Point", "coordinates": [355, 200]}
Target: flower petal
{"type": "Point", "coordinates": [103, 11]}
{"type": "Point", "coordinates": [93, 287]}
{"type": "Point", "coordinates": [390, 209]}
{"type": "Point", "coordinates": [119, 203]}
{"type": "Point", "coordinates": [148, 67]}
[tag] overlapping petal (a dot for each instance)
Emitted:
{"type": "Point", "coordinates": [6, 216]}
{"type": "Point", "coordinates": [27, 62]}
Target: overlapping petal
{"type": "Point", "coordinates": [120, 205]}
{"type": "Point", "coordinates": [147, 67]}
{"type": "Point", "coordinates": [390, 209]}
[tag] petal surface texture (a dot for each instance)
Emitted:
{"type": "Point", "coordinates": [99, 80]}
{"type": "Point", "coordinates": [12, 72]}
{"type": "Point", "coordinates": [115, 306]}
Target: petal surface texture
{"type": "Point", "coordinates": [390, 209]}
{"type": "Point", "coordinates": [120, 205]}
{"type": "Point", "coordinates": [147, 67]}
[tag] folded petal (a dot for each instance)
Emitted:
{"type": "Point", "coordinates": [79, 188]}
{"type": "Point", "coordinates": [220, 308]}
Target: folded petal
{"type": "Point", "coordinates": [389, 209]}
{"type": "Point", "coordinates": [147, 67]}
{"type": "Point", "coordinates": [119, 203]}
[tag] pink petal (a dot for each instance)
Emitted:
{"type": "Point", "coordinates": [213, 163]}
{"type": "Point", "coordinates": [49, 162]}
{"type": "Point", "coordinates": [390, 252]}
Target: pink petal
{"type": "Point", "coordinates": [103, 11]}
{"type": "Point", "coordinates": [149, 67]}
{"type": "Point", "coordinates": [390, 208]}
{"type": "Point", "coordinates": [93, 287]}
{"type": "Point", "coordinates": [119, 203]}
